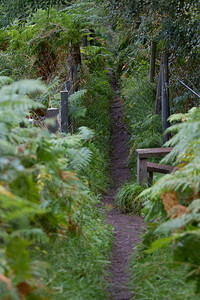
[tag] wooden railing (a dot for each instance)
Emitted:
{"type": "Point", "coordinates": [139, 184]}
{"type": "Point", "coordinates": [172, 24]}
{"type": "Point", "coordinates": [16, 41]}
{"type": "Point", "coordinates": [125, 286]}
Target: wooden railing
{"type": "Point", "coordinates": [146, 169]}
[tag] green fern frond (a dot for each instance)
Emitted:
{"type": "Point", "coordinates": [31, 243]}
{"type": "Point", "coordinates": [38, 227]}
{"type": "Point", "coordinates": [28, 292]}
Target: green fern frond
{"type": "Point", "coordinates": [5, 80]}
{"type": "Point", "coordinates": [36, 234]}
{"type": "Point", "coordinates": [79, 158]}
{"type": "Point", "coordinates": [76, 108]}
{"type": "Point", "coordinates": [85, 133]}
{"type": "Point", "coordinates": [14, 207]}
{"type": "Point", "coordinates": [14, 102]}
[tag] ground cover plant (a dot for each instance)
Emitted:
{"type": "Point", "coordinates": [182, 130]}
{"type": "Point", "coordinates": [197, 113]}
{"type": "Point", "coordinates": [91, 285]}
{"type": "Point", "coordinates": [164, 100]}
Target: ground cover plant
{"type": "Point", "coordinates": [173, 203]}
{"type": "Point", "coordinates": [156, 277]}
{"type": "Point", "coordinates": [54, 240]}
{"type": "Point", "coordinates": [127, 200]}
{"type": "Point", "coordinates": [47, 207]}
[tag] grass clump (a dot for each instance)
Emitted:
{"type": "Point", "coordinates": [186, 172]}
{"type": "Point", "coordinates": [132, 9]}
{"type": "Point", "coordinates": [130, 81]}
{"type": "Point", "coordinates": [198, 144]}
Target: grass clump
{"type": "Point", "coordinates": [78, 262]}
{"type": "Point", "coordinates": [126, 198]}
{"type": "Point", "coordinates": [154, 276]}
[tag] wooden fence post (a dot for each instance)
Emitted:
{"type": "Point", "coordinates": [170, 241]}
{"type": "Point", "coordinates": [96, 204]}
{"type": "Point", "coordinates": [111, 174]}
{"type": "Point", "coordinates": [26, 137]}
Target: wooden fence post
{"type": "Point", "coordinates": [152, 61]}
{"type": "Point", "coordinates": [85, 41]}
{"type": "Point", "coordinates": [70, 89]}
{"type": "Point", "coordinates": [76, 63]}
{"type": "Point", "coordinates": [165, 95]}
{"type": "Point", "coordinates": [158, 94]}
{"type": "Point", "coordinates": [53, 113]}
{"type": "Point", "coordinates": [92, 35]}
{"type": "Point", "coordinates": [64, 111]}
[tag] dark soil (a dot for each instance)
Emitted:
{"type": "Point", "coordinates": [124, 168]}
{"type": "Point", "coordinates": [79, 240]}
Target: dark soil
{"type": "Point", "coordinates": [126, 228]}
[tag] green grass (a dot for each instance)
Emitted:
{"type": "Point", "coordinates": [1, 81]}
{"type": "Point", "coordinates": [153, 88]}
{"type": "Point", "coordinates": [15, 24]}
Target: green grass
{"type": "Point", "coordinates": [126, 198]}
{"type": "Point", "coordinates": [155, 277]}
{"type": "Point", "coordinates": [78, 262]}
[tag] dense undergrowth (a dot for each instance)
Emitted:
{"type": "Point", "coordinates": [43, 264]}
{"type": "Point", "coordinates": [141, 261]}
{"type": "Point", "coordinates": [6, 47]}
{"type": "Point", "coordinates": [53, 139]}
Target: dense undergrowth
{"type": "Point", "coordinates": [157, 277]}
{"type": "Point", "coordinates": [54, 243]}
{"type": "Point", "coordinates": [54, 240]}
{"type": "Point", "coordinates": [166, 263]}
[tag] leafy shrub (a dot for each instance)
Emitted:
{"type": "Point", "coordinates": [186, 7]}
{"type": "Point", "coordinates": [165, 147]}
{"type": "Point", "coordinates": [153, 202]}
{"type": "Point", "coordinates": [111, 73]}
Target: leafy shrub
{"type": "Point", "coordinates": [46, 204]}
{"type": "Point", "coordinates": [97, 117]}
{"type": "Point", "coordinates": [145, 127]}
{"type": "Point", "coordinates": [176, 196]}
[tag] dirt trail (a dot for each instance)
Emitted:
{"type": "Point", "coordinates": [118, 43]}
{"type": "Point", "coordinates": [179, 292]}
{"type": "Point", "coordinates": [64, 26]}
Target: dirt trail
{"type": "Point", "coordinates": [127, 228]}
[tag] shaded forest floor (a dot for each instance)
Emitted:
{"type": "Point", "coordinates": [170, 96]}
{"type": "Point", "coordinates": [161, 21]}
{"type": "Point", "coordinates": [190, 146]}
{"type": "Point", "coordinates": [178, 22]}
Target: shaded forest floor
{"type": "Point", "coordinates": [127, 228]}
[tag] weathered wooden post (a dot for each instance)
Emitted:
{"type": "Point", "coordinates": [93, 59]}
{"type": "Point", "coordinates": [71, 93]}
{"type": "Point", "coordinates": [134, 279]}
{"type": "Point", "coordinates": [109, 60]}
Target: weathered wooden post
{"type": "Point", "coordinates": [158, 94]}
{"type": "Point", "coordinates": [165, 95]}
{"type": "Point", "coordinates": [75, 66]}
{"type": "Point", "coordinates": [53, 113]}
{"type": "Point", "coordinates": [142, 175]}
{"type": "Point", "coordinates": [64, 111]}
{"type": "Point", "coordinates": [70, 89]}
{"type": "Point", "coordinates": [76, 63]}
{"type": "Point", "coordinates": [152, 61]}
{"type": "Point", "coordinates": [92, 35]}
{"type": "Point", "coordinates": [85, 41]}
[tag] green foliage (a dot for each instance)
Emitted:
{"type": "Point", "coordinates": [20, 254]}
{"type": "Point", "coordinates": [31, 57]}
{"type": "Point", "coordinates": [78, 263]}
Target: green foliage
{"type": "Point", "coordinates": [42, 47]}
{"type": "Point", "coordinates": [154, 276]}
{"type": "Point", "coordinates": [97, 117]}
{"type": "Point", "coordinates": [190, 217]}
{"type": "Point", "coordinates": [172, 23]}
{"type": "Point", "coordinates": [145, 127]}
{"type": "Point", "coordinates": [174, 27]}
{"type": "Point", "coordinates": [97, 57]}
{"type": "Point", "coordinates": [76, 109]}
{"type": "Point", "coordinates": [179, 188]}
{"type": "Point", "coordinates": [23, 9]}
{"type": "Point", "coordinates": [126, 198]}
{"type": "Point", "coordinates": [185, 153]}
{"type": "Point", "coordinates": [45, 202]}
{"type": "Point", "coordinates": [139, 102]}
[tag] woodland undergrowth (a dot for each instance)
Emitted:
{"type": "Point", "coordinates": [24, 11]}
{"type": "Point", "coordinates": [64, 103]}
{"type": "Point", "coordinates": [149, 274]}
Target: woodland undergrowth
{"type": "Point", "coordinates": [54, 239]}
{"type": "Point", "coordinates": [166, 263]}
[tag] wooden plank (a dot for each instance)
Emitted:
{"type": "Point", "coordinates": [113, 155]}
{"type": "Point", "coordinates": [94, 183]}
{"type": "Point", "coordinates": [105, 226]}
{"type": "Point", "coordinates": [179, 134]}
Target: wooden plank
{"type": "Point", "coordinates": [153, 152]}
{"type": "Point", "coordinates": [142, 170]}
{"type": "Point", "coordinates": [154, 167]}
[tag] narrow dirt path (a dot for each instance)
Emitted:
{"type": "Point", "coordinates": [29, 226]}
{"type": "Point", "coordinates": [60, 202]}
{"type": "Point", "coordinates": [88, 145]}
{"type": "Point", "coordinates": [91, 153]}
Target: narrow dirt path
{"type": "Point", "coordinates": [126, 228]}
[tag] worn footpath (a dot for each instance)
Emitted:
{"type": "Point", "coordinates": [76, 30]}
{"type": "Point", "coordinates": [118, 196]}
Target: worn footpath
{"type": "Point", "coordinates": [127, 229]}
